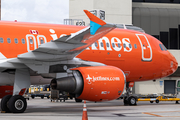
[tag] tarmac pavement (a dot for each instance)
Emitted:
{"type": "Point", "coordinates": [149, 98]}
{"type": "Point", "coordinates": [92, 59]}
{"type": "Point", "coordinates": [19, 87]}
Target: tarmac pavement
{"type": "Point", "coordinates": [44, 109]}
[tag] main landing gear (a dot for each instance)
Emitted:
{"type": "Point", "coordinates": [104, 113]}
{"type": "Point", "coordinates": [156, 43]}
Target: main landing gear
{"type": "Point", "coordinates": [13, 104]}
{"type": "Point", "coordinates": [129, 100]}
{"type": "Point", "coordinates": [16, 103]}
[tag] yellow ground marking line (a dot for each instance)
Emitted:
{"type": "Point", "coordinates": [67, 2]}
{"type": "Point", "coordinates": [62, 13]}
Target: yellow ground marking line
{"type": "Point", "coordinates": [160, 112]}
{"type": "Point", "coordinates": [152, 114]}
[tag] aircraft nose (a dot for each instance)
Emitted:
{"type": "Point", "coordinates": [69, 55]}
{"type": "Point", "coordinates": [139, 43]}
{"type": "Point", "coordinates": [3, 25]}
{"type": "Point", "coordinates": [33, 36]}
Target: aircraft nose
{"type": "Point", "coordinates": [170, 64]}
{"type": "Point", "coordinates": [173, 64]}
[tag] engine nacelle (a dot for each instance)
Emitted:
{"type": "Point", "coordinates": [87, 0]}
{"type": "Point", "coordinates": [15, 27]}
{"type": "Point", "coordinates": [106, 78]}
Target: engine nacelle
{"type": "Point", "coordinates": [99, 83]}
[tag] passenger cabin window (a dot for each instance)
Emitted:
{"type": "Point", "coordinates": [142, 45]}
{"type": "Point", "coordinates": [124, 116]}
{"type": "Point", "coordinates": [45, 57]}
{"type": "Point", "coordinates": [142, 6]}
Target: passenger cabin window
{"type": "Point", "coordinates": [23, 41]}
{"type": "Point", "coordinates": [96, 44]}
{"type": "Point", "coordinates": [31, 41]}
{"type": "Point", "coordinates": [102, 45]}
{"type": "Point", "coordinates": [1, 40]}
{"type": "Point", "coordinates": [107, 44]}
{"type": "Point", "coordinates": [119, 45]}
{"type": "Point", "coordinates": [113, 45]}
{"type": "Point", "coordinates": [16, 40]}
{"type": "Point", "coordinates": [130, 46]}
{"type": "Point", "coordinates": [135, 46]}
{"type": "Point", "coordinates": [124, 45]}
{"type": "Point", "coordinates": [42, 41]}
{"type": "Point", "coordinates": [8, 40]}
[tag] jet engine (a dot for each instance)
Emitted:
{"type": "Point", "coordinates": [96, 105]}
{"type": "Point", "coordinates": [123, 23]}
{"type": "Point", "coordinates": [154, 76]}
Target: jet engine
{"type": "Point", "coordinates": [99, 83]}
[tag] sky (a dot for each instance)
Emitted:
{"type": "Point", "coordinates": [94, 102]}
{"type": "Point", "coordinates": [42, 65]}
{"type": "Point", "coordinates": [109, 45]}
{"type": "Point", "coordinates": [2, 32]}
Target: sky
{"type": "Point", "coordinates": [41, 11]}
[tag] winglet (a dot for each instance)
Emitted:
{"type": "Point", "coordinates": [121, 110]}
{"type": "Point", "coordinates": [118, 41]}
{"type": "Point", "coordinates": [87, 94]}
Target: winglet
{"type": "Point", "coordinates": [95, 22]}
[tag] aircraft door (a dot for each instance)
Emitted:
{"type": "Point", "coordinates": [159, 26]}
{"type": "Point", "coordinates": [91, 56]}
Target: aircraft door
{"type": "Point", "coordinates": [145, 47]}
{"type": "Point", "coordinates": [31, 42]}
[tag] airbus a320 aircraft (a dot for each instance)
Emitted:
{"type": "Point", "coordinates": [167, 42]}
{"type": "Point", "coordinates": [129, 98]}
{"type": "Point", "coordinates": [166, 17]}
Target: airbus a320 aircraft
{"type": "Point", "coordinates": [95, 63]}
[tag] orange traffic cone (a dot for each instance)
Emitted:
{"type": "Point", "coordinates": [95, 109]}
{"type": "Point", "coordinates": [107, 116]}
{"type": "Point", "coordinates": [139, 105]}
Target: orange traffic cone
{"type": "Point", "coordinates": [84, 115]}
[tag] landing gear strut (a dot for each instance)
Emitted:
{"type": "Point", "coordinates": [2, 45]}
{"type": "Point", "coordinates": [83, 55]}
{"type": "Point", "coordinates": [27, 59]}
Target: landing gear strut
{"type": "Point", "coordinates": [129, 100]}
{"type": "Point", "coordinates": [17, 103]}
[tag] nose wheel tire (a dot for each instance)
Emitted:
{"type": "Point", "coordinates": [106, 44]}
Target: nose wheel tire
{"type": "Point", "coordinates": [17, 104]}
{"type": "Point", "coordinates": [132, 100]}
{"type": "Point", "coordinates": [4, 103]}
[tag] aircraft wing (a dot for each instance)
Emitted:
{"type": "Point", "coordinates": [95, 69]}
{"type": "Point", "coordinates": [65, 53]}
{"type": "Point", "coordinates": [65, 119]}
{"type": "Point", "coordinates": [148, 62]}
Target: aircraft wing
{"type": "Point", "coordinates": [61, 51]}
{"type": "Point", "coordinates": [67, 47]}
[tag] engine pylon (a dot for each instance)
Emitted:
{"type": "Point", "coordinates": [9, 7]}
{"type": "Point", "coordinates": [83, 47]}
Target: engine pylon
{"type": "Point", "coordinates": [84, 115]}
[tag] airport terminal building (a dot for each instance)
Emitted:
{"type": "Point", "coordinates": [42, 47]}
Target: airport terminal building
{"type": "Point", "coordinates": [159, 18]}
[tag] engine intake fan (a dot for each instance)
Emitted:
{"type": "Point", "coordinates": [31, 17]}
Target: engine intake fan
{"type": "Point", "coordinates": [71, 84]}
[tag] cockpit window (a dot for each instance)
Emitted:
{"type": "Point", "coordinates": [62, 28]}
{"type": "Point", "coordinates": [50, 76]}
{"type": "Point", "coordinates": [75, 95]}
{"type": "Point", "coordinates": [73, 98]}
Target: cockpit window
{"type": "Point", "coordinates": [164, 47]}
{"type": "Point", "coordinates": [160, 45]}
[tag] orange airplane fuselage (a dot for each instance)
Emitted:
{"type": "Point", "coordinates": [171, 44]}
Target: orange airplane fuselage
{"type": "Point", "coordinates": [139, 55]}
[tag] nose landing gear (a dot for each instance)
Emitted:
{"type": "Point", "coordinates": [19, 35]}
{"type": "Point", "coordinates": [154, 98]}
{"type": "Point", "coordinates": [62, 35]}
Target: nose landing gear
{"type": "Point", "coordinates": [128, 99]}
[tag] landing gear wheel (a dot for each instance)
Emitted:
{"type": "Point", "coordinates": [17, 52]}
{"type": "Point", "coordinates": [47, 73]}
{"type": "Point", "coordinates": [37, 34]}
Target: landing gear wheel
{"type": "Point", "coordinates": [132, 100]}
{"type": "Point", "coordinates": [157, 101]}
{"type": "Point", "coordinates": [78, 100]}
{"type": "Point", "coordinates": [4, 103]}
{"type": "Point", "coordinates": [151, 101]}
{"type": "Point", "coordinates": [177, 102]}
{"type": "Point", "coordinates": [17, 104]}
